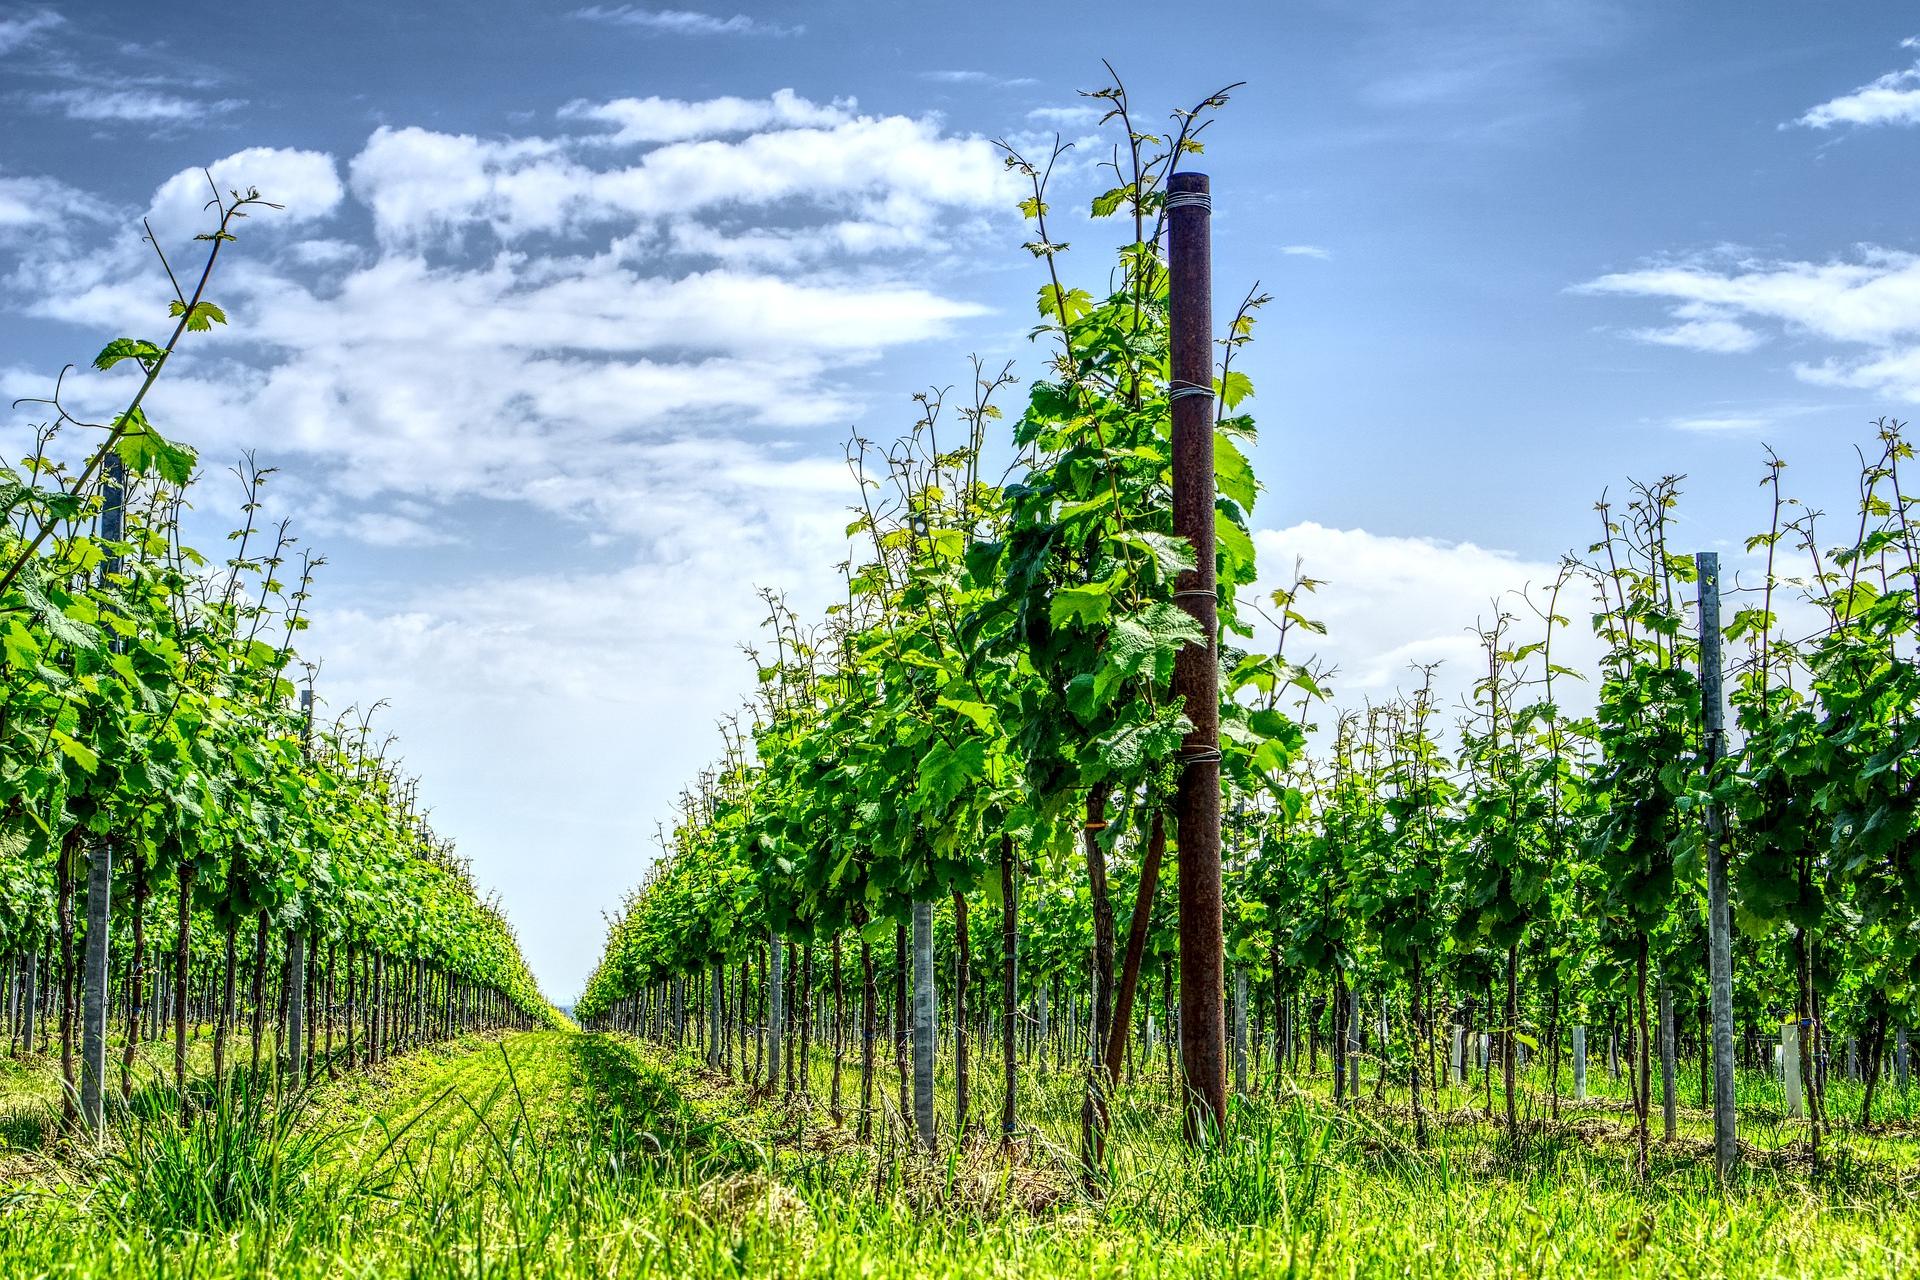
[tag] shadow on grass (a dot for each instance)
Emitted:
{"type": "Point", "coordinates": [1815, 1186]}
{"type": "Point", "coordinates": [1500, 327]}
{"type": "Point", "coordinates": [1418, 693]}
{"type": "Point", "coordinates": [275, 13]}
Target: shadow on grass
{"type": "Point", "coordinates": [636, 1104]}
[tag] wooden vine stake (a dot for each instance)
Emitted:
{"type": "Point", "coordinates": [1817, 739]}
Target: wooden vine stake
{"type": "Point", "coordinates": [1196, 673]}
{"type": "Point", "coordinates": [1726, 1152]}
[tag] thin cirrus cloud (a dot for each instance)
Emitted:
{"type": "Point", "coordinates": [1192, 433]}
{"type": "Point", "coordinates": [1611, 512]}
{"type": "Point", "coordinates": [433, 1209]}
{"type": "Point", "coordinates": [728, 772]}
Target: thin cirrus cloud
{"type": "Point", "coordinates": [656, 119]}
{"type": "Point", "coordinates": [1868, 306]}
{"type": "Point", "coordinates": [968, 76]}
{"type": "Point", "coordinates": [1893, 98]}
{"type": "Point", "coordinates": [18, 30]}
{"type": "Point", "coordinates": [1065, 116]}
{"type": "Point", "coordinates": [1711, 424]}
{"type": "Point", "coordinates": [141, 106]}
{"type": "Point", "coordinates": [683, 22]}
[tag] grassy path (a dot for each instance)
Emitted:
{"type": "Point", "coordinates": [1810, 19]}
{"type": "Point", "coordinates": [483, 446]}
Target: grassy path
{"type": "Point", "coordinates": [559, 1154]}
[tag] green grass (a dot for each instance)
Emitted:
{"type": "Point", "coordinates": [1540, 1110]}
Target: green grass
{"type": "Point", "coordinates": [558, 1154]}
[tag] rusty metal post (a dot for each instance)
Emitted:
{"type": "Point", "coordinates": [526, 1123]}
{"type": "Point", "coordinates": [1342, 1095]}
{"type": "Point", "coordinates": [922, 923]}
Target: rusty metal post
{"type": "Point", "coordinates": [1196, 672]}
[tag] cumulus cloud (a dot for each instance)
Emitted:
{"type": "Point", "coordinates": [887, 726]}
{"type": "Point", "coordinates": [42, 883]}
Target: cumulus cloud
{"type": "Point", "coordinates": [683, 22]}
{"type": "Point", "coordinates": [1871, 300]}
{"type": "Point", "coordinates": [306, 183]}
{"type": "Point", "coordinates": [1393, 603]}
{"type": "Point", "coordinates": [564, 380]}
{"type": "Point", "coordinates": [636, 349]}
{"type": "Point", "coordinates": [43, 204]}
{"type": "Point", "coordinates": [1893, 98]}
{"type": "Point", "coordinates": [425, 185]}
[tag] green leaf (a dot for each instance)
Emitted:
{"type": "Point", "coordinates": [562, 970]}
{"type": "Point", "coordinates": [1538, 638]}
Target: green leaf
{"type": "Point", "coordinates": [127, 349]}
{"type": "Point", "coordinates": [978, 712]}
{"type": "Point", "coordinates": [145, 451]}
{"type": "Point", "coordinates": [1107, 202]}
{"type": "Point", "coordinates": [1064, 305]}
{"type": "Point", "coordinates": [76, 751]}
{"type": "Point", "coordinates": [1235, 549]}
{"type": "Point", "coordinates": [1087, 606]}
{"type": "Point", "coordinates": [1234, 388]}
{"type": "Point", "coordinates": [1232, 473]}
{"type": "Point", "coordinates": [945, 771]}
{"type": "Point", "coordinates": [65, 628]}
{"type": "Point", "coordinates": [202, 317]}
{"type": "Point", "coordinates": [1274, 725]}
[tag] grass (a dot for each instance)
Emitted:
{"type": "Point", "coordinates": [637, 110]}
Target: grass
{"type": "Point", "coordinates": [559, 1154]}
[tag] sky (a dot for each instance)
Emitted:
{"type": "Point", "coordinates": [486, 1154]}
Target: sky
{"type": "Point", "coordinates": [570, 310]}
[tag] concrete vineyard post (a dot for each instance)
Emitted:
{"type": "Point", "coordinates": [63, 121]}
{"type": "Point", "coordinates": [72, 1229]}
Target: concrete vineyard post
{"type": "Point", "coordinates": [1239, 1028]}
{"type": "Point", "coordinates": [93, 999]}
{"type": "Point", "coordinates": [1009, 986]}
{"type": "Point", "coordinates": [1353, 1046]}
{"type": "Point", "coordinates": [1197, 669]}
{"type": "Point", "coordinates": [94, 979]}
{"type": "Point", "coordinates": [30, 1000]}
{"type": "Point", "coordinates": [1669, 1113]}
{"type": "Point", "coordinates": [296, 1003]}
{"type": "Point", "coordinates": [716, 994]}
{"type": "Point", "coordinates": [923, 1024]}
{"type": "Point", "coordinates": [775, 1018]}
{"type": "Point", "coordinates": [1790, 1070]}
{"type": "Point", "coordinates": [1579, 1064]}
{"type": "Point", "coordinates": [1726, 1149]}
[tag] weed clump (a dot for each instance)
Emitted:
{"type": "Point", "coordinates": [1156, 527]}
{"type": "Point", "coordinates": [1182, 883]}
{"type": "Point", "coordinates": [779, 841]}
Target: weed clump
{"type": "Point", "coordinates": [247, 1158]}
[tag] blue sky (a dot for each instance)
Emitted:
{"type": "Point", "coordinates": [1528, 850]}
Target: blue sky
{"type": "Point", "coordinates": [571, 308]}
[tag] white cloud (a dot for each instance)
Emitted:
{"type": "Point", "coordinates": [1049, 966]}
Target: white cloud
{"type": "Point", "coordinates": [590, 682]}
{"type": "Point", "coordinates": [683, 22]}
{"type": "Point", "coordinates": [644, 120]}
{"type": "Point", "coordinates": [307, 183]}
{"type": "Point", "coordinates": [1065, 116]}
{"type": "Point", "coordinates": [657, 401]}
{"type": "Point", "coordinates": [1391, 603]}
{"type": "Point", "coordinates": [1307, 251]}
{"type": "Point", "coordinates": [141, 106]}
{"type": "Point", "coordinates": [1512, 53]}
{"type": "Point", "coordinates": [427, 186]}
{"type": "Point", "coordinates": [977, 77]}
{"type": "Point", "coordinates": [21, 29]}
{"type": "Point", "coordinates": [395, 529]}
{"type": "Point", "coordinates": [1709, 424]}
{"type": "Point", "coordinates": [788, 248]}
{"type": "Point", "coordinates": [42, 204]}
{"type": "Point", "coordinates": [1710, 332]}
{"type": "Point", "coordinates": [1893, 98]}
{"type": "Point", "coordinates": [1872, 300]}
